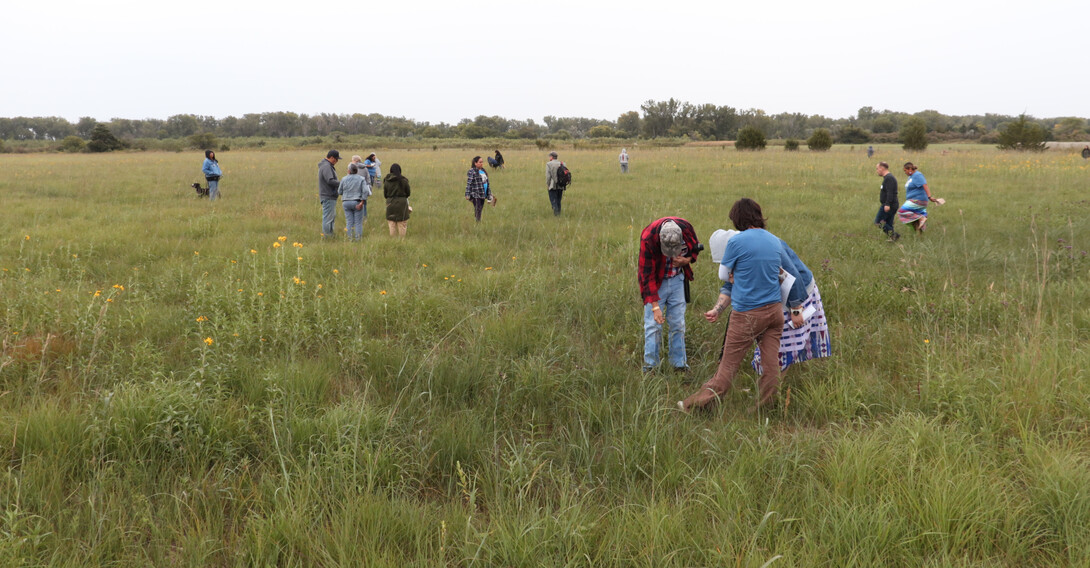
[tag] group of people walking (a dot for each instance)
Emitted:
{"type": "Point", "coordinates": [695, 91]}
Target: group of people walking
{"type": "Point", "coordinates": [774, 300]}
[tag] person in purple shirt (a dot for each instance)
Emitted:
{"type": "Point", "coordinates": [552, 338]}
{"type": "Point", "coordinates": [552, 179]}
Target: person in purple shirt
{"type": "Point", "coordinates": [755, 259]}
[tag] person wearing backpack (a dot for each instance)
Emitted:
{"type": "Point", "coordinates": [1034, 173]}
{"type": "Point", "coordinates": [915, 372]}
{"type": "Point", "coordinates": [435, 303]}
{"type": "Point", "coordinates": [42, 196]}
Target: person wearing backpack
{"type": "Point", "coordinates": [557, 178]}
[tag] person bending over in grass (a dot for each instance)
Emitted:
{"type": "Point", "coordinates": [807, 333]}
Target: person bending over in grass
{"type": "Point", "coordinates": [755, 258]}
{"type": "Point", "coordinates": [667, 247]}
{"type": "Point", "coordinates": [917, 196]}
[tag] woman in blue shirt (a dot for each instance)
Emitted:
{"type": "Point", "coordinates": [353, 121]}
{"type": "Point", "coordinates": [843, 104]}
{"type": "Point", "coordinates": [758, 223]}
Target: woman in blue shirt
{"type": "Point", "coordinates": [212, 173]}
{"type": "Point", "coordinates": [917, 196]}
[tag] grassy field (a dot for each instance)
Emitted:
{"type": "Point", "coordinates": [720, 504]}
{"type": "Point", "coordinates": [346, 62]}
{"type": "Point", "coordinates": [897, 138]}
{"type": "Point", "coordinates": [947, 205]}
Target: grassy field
{"type": "Point", "coordinates": [194, 384]}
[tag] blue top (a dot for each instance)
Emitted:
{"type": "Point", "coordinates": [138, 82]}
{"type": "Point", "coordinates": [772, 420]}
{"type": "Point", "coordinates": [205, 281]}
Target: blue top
{"type": "Point", "coordinates": [802, 274]}
{"type": "Point", "coordinates": [372, 167]}
{"type": "Point", "coordinates": [914, 187]}
{"type": "Point", "coordinates": [354, 187]}
{"type": "Point", "coordinates": [210, 168]}
{"type": "Point", "coordinates": [755, 257]}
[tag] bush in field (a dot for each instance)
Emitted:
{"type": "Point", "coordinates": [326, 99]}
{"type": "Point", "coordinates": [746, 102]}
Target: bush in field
{"type": "Point", "coordinates": [791, 145]}
{"type": "Point", "coordinates": [203, 140]}
{"type": "Point", "coordinates": [852, 135]}
{"type": "Point", "coordinates": [72, 144]}
{"type": "Point", "coordinates": [541, 143]}
{"type": "Point", "coordinates": [750, 138]}
{"type": "Point", "coordinates": [601, 131]}
{"type": "Point", "coordinates": [820, 140]}
{"type": "Point", "coordinates": [914, 134]}
{"type": "Point", "coordinates": [102, 140]}
{"type": "Point", "coordinates": [1022, 135]}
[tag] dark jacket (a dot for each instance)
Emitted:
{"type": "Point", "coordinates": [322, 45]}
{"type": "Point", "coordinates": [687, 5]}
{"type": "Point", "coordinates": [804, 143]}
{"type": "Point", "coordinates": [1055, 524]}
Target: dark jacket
{"type": "Point", "coordinates": [396, 190]}
{"type": "Point", "coordinates": [888, 196]}
{"type": "Point", "coordinates": [327, 180]}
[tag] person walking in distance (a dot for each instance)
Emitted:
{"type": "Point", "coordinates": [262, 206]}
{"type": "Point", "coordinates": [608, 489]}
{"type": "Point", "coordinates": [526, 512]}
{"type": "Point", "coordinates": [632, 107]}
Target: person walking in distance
{"type": "Point", "coordinates": [887, 197]}
{"type": "Point", "coordinates": [553, 183]}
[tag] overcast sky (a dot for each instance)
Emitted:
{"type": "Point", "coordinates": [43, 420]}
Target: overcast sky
{"type": "Point", "coordinates": [441, 61]}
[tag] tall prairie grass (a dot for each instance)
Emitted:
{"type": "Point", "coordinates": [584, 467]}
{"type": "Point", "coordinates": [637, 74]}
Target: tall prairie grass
{"type": "Point", "coordinates": [209, 384]}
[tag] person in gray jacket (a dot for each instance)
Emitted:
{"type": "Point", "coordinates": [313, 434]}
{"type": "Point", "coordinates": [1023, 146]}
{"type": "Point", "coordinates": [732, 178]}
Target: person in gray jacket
{"type": "Point", "coordinates": [327, 191]}
{"type": "Point", "coordinates": [556, 191]}
{"type": "Point", "coordinates": [354, 191]}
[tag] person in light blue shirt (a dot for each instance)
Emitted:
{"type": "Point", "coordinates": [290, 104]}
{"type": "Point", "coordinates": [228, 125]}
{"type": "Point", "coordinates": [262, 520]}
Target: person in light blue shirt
{"type": "Point", "coordinates": [755, 258]}
{"type": "Point", "coordinates": [354, 191]}
{"type": "Point", "coordinates": [917, 196]}
{"type": "Point", "coordinates": [373, 164]}
{"type": "Point", "coordinates": [212, 174]}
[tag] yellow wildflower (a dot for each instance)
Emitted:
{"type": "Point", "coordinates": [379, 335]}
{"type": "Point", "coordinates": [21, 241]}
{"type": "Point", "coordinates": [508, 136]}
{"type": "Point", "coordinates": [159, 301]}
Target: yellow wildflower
{"type": "Point", "coordinates": [276, 245]}
{"type": "Point", "coordinates": [281, 238]}
{"type": "Point", "coordinates": [208, 341]}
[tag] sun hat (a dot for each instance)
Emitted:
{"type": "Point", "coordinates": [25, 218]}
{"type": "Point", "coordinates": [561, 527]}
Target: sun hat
{"type": "Point", "coordinates": [718, 244]}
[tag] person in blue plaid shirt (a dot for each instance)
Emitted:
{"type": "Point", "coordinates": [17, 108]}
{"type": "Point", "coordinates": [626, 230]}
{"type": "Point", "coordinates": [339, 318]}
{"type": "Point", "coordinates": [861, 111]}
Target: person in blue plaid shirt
{"type": "Point", "coordinates": [477, 191]}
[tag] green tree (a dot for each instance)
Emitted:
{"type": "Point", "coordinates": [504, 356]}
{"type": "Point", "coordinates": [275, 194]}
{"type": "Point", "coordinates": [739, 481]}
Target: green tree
{"type": "Point", "coordinates": [1070, 128]}
{"type": "Point", "coordinates": [852, 135]}
{"type": "Point", "coordinates": [914, 134]}
{"type": "Point", "coordinates": [791, 145]}
{"type": "Point", "coordinates": [750, 138]}
{"type": "Point", "coordinates": [820, 141]}
{"type": "Point", "coordinates": [1022, 135]}
{"type": "Point", "coordinates": [601, 131]}
{"type": "Point", "coordinates": [102, 140]}
{"type": "Point", "coordinates": [203, 141]}
{"type": "Point", "coordinates": [629, 124]}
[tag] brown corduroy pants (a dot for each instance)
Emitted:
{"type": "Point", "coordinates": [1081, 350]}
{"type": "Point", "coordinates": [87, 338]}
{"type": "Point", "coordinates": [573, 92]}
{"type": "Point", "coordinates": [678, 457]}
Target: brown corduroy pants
{"type": "Point", "coordinates": [763, 325]}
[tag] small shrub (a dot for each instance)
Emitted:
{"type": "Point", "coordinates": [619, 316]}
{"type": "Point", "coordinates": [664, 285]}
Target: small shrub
{"type": "Point", "coordinates": [224, 147]}
{"type": "Point", "coordinates": [820, 141]}
{"type": "Point", "coordinates": [791, 145]}
{"type": "Point", "coordinates": [541, 144]}
{"type": "Point", "coordinates": [750, 138]}
{"type": "Point", "coordinates": [72, 144]}
{"type": "Point", "coordinates": [914, 134]}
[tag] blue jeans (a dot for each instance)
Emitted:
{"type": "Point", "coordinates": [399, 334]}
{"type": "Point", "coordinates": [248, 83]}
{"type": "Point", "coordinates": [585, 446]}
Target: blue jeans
{"type": "Point", "coordinates": [353, 218]}
{"type": "Point", "coordinates": [329, 214]}
{"type": "Point", "coordinates": [884, 219]}
{"type": "Point", "coordinates": [213, 190]}
{"type": "Point", "coordinates": [672, 303]}
{"type": "Point", "coordinates": [555, 195]}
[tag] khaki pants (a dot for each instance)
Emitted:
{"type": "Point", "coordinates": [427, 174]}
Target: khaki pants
{"type": "Point", "coordinates": [398, 227]}
{"type": "Point", "coordinates": [763, 325]}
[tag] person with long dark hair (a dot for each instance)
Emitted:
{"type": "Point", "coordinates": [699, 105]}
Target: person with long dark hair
{"type": "Point", "coordinates": [212, 174]}
{"type": "Point", "coordinates": [396, 190]}
{"type": "Point", "coordinates": [917, 195]}
{"type": "Point", "coordinates": [477, 191]}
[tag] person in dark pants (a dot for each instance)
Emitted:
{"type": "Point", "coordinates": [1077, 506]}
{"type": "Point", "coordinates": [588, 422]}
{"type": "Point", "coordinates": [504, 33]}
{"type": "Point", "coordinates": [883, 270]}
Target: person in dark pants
{"type": "Point", "coordinates": [556, 191]}
{"type": "Point", "coordinates": [477, 187]}
{"type": "Point", "coordinates": [888, 198]}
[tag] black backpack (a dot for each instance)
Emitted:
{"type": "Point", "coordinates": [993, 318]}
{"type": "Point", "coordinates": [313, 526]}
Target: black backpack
{"type": "Point", "coordinates": [563, 176]}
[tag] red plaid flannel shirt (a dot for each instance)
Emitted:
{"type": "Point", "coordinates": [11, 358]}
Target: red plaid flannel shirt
{"type": "Point", "coordinates": [653, 264]}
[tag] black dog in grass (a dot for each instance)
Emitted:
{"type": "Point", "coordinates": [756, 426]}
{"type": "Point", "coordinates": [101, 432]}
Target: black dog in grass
{"type": "Point", "coordinates": [201, 191]}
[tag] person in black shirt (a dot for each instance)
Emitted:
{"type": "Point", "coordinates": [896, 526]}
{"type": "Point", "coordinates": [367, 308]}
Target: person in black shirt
{"type": "Point", "coordinates": [888, 198]}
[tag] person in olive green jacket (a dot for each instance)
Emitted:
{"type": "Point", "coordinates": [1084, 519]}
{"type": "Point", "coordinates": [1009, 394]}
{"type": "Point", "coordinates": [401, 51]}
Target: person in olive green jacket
{"type": "Point", "coordinates": [396, 190]}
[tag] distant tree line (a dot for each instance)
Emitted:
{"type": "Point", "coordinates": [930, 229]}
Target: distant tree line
{"type": "Point", "coordinates": [655, 119]}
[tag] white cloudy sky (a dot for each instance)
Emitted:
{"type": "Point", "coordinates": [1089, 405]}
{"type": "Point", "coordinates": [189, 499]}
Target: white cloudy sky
{"type": "Point", "coordinates": [440, 61]}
